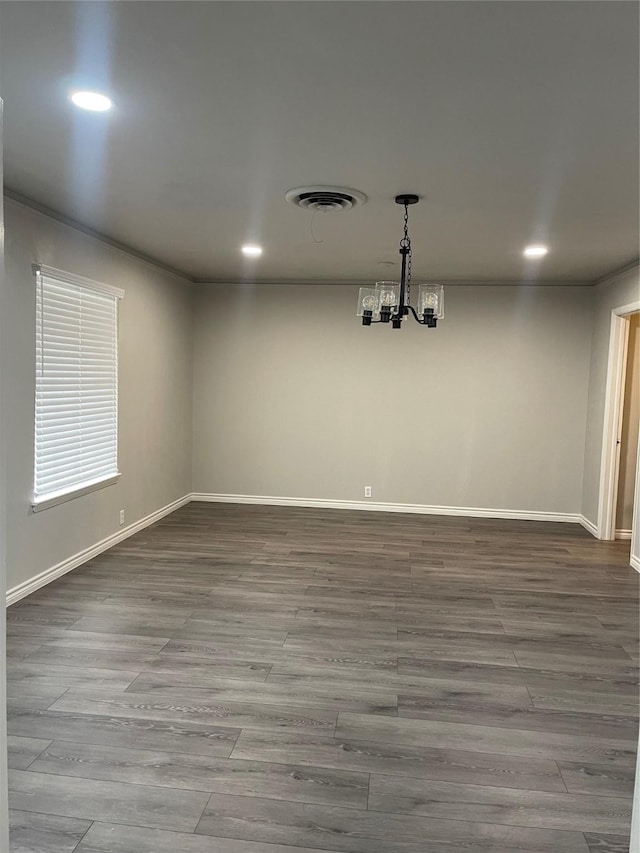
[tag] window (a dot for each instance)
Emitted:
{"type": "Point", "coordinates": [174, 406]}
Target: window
{"type": "Point", "coordinates": [76, 429]}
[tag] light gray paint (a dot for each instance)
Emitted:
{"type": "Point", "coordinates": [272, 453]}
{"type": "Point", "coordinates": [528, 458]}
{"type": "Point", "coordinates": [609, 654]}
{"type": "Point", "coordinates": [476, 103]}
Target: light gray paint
{"type": "Point", "coordinates": [292, 397]}
{"type": "Point", "coordinates": [155, 378]}
{"type": "Point", "coordinates": [517, 121]}
{"type": "Point", "coordinates": [4, 820]}
{"type": "Point", "coordinates": [630, 427]}
{"type": "Point", "coordinates": [621, 290]}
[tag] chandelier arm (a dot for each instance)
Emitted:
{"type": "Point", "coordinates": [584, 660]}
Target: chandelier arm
{"type": "Point", "coordinates": [413, 311]}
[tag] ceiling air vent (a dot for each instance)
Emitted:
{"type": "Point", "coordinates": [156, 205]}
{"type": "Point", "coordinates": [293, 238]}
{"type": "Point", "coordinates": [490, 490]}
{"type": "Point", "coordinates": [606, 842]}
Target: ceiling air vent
{"type": "Point", "coordinates": [325, 198]}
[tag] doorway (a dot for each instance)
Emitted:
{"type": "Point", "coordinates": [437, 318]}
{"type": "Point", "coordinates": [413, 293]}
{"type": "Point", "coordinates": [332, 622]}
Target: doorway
{"type": "Point", "coordinates": [619, 481]}
{"type": "Point", "coordinates": [629, 428]}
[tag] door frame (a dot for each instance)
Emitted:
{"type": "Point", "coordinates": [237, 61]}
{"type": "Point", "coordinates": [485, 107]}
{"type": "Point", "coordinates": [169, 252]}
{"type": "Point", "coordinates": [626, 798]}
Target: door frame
{"type": "Point", "coordinates": [613, 411]}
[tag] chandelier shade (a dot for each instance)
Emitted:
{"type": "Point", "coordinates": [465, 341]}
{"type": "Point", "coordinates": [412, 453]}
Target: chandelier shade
{"type": "Point", "coordinates": [431, 300]}
{"type": "Point", "coordinates": [368, 303]}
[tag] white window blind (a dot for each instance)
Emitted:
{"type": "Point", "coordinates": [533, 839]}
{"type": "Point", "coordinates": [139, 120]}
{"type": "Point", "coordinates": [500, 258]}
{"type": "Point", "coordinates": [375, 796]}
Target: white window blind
{"type": "Point", "coordinates": [76, 428]}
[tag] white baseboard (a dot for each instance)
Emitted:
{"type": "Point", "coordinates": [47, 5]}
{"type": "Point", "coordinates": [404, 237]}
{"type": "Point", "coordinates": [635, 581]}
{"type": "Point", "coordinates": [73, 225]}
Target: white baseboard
{"type": "Point", "coordinates": [588, 525]}
{"type": "Point", "coordinates": [635, 562]}
{"type": "Point", "coordinates": [371, 506]}
{"type": "Point", "coordinates": [623, 534]}
{"type": "Point", "coordinates": [23, 589]}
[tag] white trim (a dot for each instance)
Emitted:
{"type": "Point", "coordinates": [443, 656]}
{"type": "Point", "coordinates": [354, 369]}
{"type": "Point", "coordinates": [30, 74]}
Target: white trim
{"type": "Point", "coordinates": [618, 339]}
{"type": "Point", "coordinates": [615, 276]}
{"type": "Point", "coordinates": [627, 310]}
{"type": "Point", "coordinates": [17, 198]}
{"type": "Point", "coordinates": [27, 587]}
{"type": "Point", "coordinates": [366, 282]}
{"type": "Point", "coordinates": [623, 534]}
{"type": "Point", "coordinates": [588, 525]}
{"type": "Point", "coordinates": [422, 509]}
{"type": "Point", "coordinates": [618, 336]}
{"type": "Point", "coordinates": [635, 534]}
{"type": "Point", "coordinates": [79, 280]}
{"type": "Point", "coordinates": [37, 505]}
{"type": "Point", "coordinates": [31, 585]}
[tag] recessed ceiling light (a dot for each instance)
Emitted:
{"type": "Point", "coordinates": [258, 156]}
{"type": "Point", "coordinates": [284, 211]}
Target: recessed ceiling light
{"type": "Point", "coordinates": [252, 251]}
{"type": "Point", "coordinates": [93, 101]}
{"type": "Point", "coordinates": [535, 251]}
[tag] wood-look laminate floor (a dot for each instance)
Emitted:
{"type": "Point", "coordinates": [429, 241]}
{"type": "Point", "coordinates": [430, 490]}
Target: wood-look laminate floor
{"type": "Point", "coordinates": [243, 679]}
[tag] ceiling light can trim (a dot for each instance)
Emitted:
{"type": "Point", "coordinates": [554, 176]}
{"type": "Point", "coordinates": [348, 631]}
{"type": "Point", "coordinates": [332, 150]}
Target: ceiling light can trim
{"type": "Point", "coordinates": [251, 250]}
{"type": "Point", "coordinates": [95, 102]}
{"type": "Point", "coordinates": [324, 198]}
{"type": "Point", "coordinates": [535, 250]}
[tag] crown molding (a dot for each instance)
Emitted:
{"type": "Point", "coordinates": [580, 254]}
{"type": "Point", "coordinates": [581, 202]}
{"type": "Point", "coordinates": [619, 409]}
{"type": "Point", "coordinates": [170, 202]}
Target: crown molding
{"type": "Point", "coordinates": [616, 275]}
{"type": "Point", "coordinates": [367, 282]}
{"type": "Point", "coordinates": [25, 201]}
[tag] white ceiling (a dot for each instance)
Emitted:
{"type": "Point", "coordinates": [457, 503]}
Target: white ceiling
{"type": "Point", "coordinates": [516, 121]}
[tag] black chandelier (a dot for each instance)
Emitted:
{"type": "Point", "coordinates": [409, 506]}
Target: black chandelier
{"type": "Point", "coordinates": [390, 301]}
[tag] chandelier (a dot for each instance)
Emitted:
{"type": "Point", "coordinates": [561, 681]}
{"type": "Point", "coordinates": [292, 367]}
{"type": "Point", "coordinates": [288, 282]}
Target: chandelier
{"type": "Point", "coordinates": [390, 301]}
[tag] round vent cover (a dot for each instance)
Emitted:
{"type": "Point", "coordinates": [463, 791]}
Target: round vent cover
{"type": "Point", "coordinates": [325, 198]}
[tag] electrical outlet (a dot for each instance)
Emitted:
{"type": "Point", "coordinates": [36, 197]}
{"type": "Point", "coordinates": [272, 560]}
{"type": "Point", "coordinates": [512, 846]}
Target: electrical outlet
{"type": "Point", "coordinates": [367, 491]}
{"type": "Point", "coordinates": [121, 516]}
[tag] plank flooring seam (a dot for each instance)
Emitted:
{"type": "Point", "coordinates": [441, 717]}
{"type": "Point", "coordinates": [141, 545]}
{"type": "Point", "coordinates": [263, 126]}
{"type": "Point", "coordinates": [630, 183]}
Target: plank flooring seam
{"type": "Point", "coordinates": [36, 757]}
{"type": "Point", "coordinates": [83, 836]}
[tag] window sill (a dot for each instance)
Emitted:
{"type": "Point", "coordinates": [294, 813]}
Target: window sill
{"type": "Point", "coordinates": [63, 497]}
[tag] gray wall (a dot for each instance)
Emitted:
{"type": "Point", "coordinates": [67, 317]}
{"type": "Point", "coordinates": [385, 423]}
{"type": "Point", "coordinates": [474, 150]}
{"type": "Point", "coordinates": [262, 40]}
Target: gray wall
{"type": "Point", "coordinates": [4, 828]}
{"type": "Point", "coordinates": [619, 291]}
{"type": "Point", "coordinates": [292, 397]}
{"type": "Point", "coordinates": [155, 392]}
{"type": "Point", "coordinates": [630, 427]}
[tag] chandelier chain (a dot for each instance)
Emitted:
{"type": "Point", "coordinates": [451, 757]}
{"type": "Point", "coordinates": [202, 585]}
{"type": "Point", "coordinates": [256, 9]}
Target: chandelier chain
{"type": "Point", "coordinates": [405, 243]}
